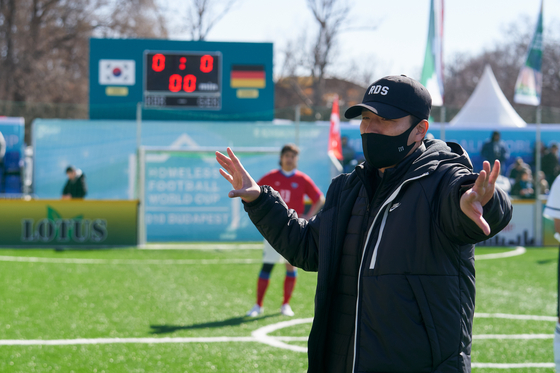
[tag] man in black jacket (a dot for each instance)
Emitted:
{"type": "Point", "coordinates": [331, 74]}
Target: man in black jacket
{"type": "Point", "coordinates": [76, 186]}
{"type": "Point", "coordinates": [394, 243]}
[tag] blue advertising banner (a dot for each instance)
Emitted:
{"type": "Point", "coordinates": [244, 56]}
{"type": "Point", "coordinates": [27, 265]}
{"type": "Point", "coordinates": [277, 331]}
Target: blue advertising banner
{"type": "Point", "coordinates": [187, 198]}
{"type": "Point", "coordinates": [105, 150]}
{"type": "Point", "coordinates": [519, 141]}
{"type": "Point", "coordinates": [13, 130]}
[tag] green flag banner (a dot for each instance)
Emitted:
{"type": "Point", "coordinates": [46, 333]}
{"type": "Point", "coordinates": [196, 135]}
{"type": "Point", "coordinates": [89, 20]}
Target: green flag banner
{"type": "Point", "coordinates": [432, 72]}
{"type": "Point", "coordinates": [528, 86]}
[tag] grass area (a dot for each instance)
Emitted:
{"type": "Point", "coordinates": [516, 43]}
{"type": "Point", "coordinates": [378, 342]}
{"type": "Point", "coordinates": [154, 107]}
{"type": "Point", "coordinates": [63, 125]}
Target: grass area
{"type": "Point", "coordinates": [205, 293]}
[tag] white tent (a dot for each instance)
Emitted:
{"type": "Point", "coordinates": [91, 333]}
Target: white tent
{"type": "Point", "coordinates": [488, 107]}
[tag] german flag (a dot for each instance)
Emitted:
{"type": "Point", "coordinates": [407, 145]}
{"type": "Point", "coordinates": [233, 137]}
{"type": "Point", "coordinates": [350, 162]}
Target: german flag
{"type": "Point", "coordinates": [247, 76]}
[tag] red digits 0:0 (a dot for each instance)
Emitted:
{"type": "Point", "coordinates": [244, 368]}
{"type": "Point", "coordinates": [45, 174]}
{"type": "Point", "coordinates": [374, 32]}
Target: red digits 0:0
{"type": "Point", "coordinates": [175, 81]}
{"type": "Point", "coordinates": [189, 84]}
{"type": "Point", "coordinates": [158, 62]}
{"type": "Point", "coordinates": [206, 63]}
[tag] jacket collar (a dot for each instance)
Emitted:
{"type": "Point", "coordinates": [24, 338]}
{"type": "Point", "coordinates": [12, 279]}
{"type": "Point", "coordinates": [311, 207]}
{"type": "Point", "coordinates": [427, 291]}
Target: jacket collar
{"type": "Point", "coordinates": [426, 159]}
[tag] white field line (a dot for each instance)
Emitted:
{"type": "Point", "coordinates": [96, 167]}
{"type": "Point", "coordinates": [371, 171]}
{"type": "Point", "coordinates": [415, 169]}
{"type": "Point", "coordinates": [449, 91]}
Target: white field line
{"type": "Point", "coordinates": [513, 366]}
{"type": "Point", "coordinates": [262, 334]}
{"type": "Point", "coordinates": [513, 336]}
{"type": "Point", "coordinates": [258, 336]}
{"type": "Point", "coordinates": [514, 317]}
{"type": "Point", "coordinates": [97, 341]}
{"type": "Point", "coordinates": [518, 251]}
{"type": "Point", "coordinates": [32, 259]}
{"type": "Point", "coordinates": [201, 246]}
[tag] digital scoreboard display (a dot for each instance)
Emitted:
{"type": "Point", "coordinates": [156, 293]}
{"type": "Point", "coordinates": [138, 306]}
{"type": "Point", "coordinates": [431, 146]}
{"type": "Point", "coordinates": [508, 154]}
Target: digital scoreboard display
{"type": "Point", "coordinates": [183, 79]}
{"type": "Point", "coordinates": [153, 79]}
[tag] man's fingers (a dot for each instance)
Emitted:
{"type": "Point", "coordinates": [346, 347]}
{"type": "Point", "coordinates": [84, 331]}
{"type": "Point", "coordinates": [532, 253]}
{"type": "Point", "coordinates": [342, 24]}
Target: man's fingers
{"type": "Point", "coordinates": [482, 224]}
{"type": "Point", "coordinates": [223, 159]}
{"type": "Point", "coordinates": [470, 196]}
{"type": "Point", "coordinates": [235, 161]}
{"type": "Point", "coordinates": [495, 172]}
{"type": "Point", "coordinates": [226, 167]}
{"type": "Point", "coordinates": [480, 181]}
{"type": "Point", "coordinates": [226, 176]}
{"type": "Point", "coordinates": [486, 166]}
{"type": "Point", "coordinates": [225, 162]}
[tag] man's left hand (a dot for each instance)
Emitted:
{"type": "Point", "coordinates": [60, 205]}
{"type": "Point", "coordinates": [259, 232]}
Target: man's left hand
{"type": "Point", "coordinates": [474, 199]}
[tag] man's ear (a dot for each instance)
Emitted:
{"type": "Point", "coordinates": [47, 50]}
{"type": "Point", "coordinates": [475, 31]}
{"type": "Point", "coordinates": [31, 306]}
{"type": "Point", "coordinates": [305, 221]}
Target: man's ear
{"type": "Point", "coordinates": [421, 130]}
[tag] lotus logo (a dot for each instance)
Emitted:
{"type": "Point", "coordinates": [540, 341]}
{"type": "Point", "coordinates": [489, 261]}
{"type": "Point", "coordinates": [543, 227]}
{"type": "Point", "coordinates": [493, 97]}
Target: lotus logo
{"type": "Point", "coordinates": [53, 227]}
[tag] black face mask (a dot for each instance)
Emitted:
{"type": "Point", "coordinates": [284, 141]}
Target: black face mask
{"type": "Point", "coordinates": [383, 151]}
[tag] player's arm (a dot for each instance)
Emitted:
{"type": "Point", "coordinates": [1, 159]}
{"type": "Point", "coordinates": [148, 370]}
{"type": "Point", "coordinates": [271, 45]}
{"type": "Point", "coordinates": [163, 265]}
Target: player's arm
{"type": "Point", "coordinates": [316, 196]}
{"type": "Point", "coordinates": [315, 207]}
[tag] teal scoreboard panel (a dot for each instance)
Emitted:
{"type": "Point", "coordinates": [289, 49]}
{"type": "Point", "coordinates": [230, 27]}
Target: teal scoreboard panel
{"type": "Point", "coordinates": [176, 80]}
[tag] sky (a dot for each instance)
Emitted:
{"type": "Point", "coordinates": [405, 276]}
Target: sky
{"type": "Point", "coordinates": [399, 28]}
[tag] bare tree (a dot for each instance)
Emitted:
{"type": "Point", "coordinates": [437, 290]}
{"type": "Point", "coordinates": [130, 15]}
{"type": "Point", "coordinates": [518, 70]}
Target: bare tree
{"type": "Point", "coordinates": [130, 19]}
{"type": "Point", "coordinates": [308, 63]}
{"type": "Point", "coordinates": [330, 16]}
{"type": "Point", "coordinates": [44, 50]}
{"type": "Point", "coordinates": [203, 15]}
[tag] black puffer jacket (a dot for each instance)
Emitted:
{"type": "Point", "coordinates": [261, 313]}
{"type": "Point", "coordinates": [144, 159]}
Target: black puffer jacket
{"type": "Point", "coordinates": [416, 284]}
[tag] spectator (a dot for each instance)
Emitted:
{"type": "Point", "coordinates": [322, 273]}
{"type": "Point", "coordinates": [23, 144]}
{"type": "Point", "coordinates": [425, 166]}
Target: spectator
{"type": "Point", "coordinates": [545, 187]}
{"type": "Point", "coordinates": [550, 164]}
{"type": "Point", "coordinates": [523, 187]}
{"type": "Point", "coordinates": [76, 186]}
{"type": "Point", "coordinates": [495, 149]}
{"type": "Point", "coordinates": [348, 155]}
{"type": "Point", "coordinates": [515, 168]}
{"type": "Point", "coordinates": [544, 150]}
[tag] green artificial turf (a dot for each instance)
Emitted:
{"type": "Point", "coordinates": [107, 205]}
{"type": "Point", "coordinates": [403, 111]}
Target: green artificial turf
{"type": "Point", "coordinates": [196, 293]}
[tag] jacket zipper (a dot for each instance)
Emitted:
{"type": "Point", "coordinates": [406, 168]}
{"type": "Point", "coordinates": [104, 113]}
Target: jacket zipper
{"type": "Point", "coordinates": [374, 256]}
{"type": "Point", "coordinates": [386, 206]}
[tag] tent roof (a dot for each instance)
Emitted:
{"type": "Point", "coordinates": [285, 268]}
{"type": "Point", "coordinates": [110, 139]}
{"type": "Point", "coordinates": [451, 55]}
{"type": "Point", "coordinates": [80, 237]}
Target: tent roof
{"type": "Point", "coordinates": [488, 107]}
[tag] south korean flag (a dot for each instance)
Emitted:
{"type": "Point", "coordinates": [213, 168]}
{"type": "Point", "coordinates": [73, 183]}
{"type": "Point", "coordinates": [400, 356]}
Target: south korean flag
{"type": "Point", "coordinates": [117, 72]}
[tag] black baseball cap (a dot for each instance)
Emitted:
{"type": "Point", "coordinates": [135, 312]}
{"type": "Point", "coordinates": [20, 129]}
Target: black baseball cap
{"type": "Point", "coordinates": [394, 97]}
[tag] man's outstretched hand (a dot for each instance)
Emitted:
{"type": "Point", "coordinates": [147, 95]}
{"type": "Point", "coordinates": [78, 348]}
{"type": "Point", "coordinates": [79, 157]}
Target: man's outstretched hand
{"type": "Point", "coordinates": [243, 184]}
{"type": "Point", "coordinates": [474, 199]}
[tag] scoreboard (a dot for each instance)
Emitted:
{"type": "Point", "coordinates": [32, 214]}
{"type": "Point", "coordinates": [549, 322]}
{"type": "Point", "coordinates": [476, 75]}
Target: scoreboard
{"type": "Point", "coordinates": [180, 80]}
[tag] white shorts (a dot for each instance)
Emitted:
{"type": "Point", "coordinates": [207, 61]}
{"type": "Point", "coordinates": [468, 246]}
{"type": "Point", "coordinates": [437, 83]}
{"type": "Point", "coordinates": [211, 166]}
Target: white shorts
{"type": "Point", "coordinates": [271, 256]}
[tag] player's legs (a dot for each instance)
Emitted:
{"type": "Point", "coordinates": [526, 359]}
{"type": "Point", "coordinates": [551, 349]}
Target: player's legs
{"type": "Point", "coordinates": [289, 284]}
{"type": "Point", "coordinates": [270, 257]}
{"type": "Point", "coordinates": [264, 280]}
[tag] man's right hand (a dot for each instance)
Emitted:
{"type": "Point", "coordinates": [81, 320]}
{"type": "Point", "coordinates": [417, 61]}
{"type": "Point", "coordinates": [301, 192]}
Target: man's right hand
{"type": "Point", "coordinates": [243, 184]}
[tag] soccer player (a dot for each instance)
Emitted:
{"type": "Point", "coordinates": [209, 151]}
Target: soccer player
{"type": "Point", "coordinates": [552, 211]}
{"type": "Point", "coordinates": [292, 185]}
